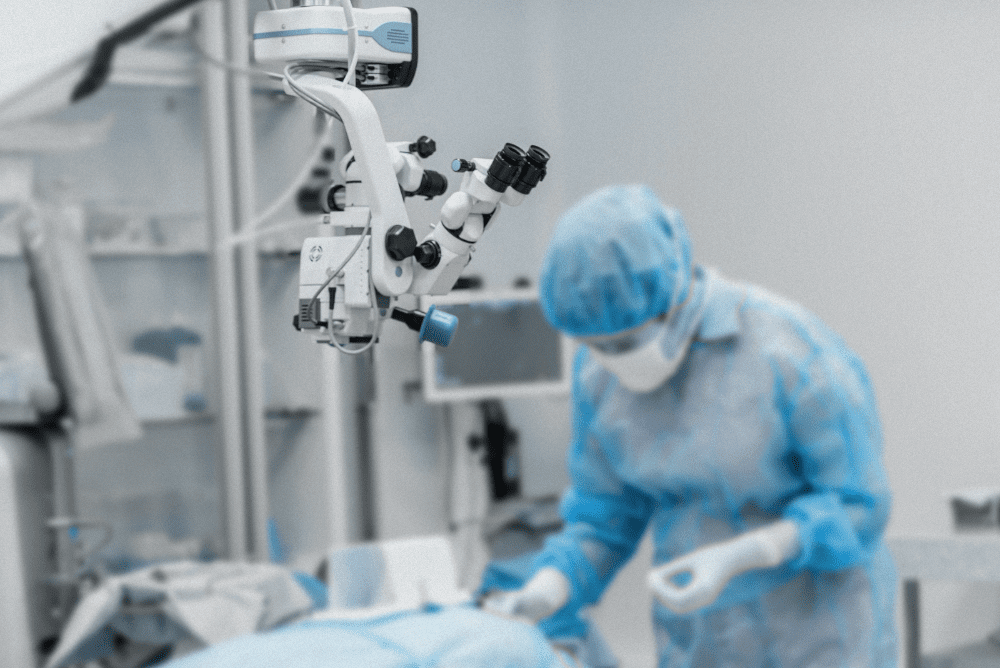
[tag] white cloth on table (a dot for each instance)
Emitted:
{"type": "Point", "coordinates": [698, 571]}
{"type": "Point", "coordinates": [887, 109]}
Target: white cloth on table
{"type": "Point", "coordinates": [210, 602]}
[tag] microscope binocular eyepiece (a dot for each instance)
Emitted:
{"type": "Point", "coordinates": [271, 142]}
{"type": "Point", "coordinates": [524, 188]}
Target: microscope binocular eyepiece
{"type": "Point", "coordinates": [505, 167]}
{"type": "Point", "coordinates": [512, 167]}
{"type": "Point", "coordinates": [533, 170]}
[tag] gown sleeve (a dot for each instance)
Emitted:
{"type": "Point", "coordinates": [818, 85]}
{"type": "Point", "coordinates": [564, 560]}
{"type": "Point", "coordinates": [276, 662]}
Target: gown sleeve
{"type": "Point", "coordinates": [836, 448]}
{"type": "Point", "coordinates": [604, 518]}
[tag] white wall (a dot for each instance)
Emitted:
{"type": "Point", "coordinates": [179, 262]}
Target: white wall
{"type": "Point", "coordinates": [844, 154]}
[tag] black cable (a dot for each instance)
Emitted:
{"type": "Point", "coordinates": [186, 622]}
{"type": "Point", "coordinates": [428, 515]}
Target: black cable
{"type": "Point", "coordinates": [100, 65]}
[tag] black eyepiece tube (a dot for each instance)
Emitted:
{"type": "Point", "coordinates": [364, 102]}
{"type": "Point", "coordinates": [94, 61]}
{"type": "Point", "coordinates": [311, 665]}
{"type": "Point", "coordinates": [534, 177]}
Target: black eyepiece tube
{"type": "Point", "coordinates": [432, 184]}
{"type": "Point", "coordinates": [538, 156]}
{"type": "Point", "coordinates": [533, 171]}
{"type": "Point", "coordinates": [505, 167]}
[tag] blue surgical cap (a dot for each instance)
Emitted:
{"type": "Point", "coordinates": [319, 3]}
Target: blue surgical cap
{"type": "Point", "coordinates": [616, 259]}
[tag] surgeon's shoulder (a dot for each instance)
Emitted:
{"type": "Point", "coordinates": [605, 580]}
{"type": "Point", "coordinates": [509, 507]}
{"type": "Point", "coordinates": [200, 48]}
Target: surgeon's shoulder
{"type": "Point", "coordinates": [783, 327]}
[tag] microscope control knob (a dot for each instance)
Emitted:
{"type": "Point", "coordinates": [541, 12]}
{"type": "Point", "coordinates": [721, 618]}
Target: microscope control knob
{"type": "Point", "coordinates": [424, 147]}
{"type": "Point", "coordinates": [428, 254]}
{"type": "Point", "coordinates": [435, 326]}
{"type": "Point", "coordinates": [438, 327]}
{"type": "Point", "coordinates": [400, 242]}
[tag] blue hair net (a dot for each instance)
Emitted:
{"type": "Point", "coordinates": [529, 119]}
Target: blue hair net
{"type": "Point", "coordinates": [616, 259]}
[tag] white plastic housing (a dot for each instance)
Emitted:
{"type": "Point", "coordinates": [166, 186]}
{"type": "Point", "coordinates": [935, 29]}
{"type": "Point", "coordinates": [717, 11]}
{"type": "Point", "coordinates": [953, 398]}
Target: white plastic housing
{"type": "Point", "coordinates": [455, 255]}
{"type": "Point", "coordinates": [385, 35]}
{"type": "Point", "coordinates": [379, 187]}
{"type": "Point", "coordinates": [474, 183]}
{"type": "Point", "coordinates": [320, 256]}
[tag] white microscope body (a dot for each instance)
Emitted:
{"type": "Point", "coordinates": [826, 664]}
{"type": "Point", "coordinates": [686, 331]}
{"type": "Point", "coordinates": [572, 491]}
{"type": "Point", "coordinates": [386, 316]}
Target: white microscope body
{"type": "Point", "coordinates": [348, 282]}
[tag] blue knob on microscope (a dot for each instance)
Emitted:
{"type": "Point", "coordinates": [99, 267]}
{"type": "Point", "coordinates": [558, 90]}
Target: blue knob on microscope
{"type": "Point", "coordinates": [438, 327]}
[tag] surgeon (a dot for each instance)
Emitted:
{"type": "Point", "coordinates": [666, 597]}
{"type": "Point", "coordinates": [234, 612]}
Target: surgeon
{"type": "Point", "coordinates": [735, 425]}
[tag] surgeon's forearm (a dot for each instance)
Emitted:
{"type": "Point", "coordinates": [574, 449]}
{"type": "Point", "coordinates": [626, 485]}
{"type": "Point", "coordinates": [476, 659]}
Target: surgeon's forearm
{"type": "Point", "coordinates": [711, 567]}
{"type": "Point", "coordinates": [541, 597]}
{"type": "Point", "coordinates": [768, 546]}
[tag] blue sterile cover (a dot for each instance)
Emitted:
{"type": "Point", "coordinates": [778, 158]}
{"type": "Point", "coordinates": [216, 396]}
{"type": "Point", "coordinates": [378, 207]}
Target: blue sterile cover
{"type": "Point", "coordinates": [435, 636]}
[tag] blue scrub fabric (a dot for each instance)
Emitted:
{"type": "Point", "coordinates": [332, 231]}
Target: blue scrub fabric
{"type": "Point", "coordinates": [617, 258]}
{"type": "Point", "coordinates": [448, 637]}
{"type": "Point", "coordinates": [770, 416]}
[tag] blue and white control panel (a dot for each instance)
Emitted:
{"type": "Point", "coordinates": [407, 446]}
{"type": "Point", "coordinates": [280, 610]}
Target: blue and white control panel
{"type": "Point", "coordinates": [386, 35]}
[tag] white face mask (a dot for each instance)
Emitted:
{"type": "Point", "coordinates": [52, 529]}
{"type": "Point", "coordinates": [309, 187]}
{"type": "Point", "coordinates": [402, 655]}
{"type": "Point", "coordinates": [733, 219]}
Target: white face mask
{"type": "Point", "coordinates": [643, 369]}
{"type": "Point", "coordinates": [637, 358]}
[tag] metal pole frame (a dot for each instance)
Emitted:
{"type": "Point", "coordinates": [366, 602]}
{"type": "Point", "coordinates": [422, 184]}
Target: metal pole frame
{"type": "Point", "coordinates": [231, 192]}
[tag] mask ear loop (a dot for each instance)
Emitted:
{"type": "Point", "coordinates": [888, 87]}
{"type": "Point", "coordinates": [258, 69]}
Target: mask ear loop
{"type": "Point", "coordinates": [683, 344]}
{"type": "Point", "coordinates": [680, 274]}
{"type": "Point", "coordinates": [676, 308]}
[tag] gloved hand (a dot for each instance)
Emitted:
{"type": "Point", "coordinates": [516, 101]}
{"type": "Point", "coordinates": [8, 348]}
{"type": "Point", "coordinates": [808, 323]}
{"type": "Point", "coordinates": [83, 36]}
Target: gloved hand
{"type": "Point", "coordinates": [539, 598]}
{"type": "Point", "coordinates": [707, 570]}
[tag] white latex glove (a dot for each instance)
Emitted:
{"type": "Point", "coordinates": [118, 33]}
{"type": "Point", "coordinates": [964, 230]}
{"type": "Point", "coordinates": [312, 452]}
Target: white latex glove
{"type": "Point", "coordinates": [539, 598]}
{"type": "Point", "coordinates": [709, 569]}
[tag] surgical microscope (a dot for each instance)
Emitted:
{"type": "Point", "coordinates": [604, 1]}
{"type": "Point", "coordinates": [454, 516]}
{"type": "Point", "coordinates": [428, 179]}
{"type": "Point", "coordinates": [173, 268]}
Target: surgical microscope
{"type": "Point", "coordinates": [350, 279]}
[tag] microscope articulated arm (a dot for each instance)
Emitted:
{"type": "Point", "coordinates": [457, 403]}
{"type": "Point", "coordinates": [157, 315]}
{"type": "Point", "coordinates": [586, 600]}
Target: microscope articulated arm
{"type": "Point", "coordinates": [374, 161]}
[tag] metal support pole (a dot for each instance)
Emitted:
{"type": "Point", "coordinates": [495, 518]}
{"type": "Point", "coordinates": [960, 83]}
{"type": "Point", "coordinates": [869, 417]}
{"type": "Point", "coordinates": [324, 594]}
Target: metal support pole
{"type": "Point", "coordinates": [252, 347]}
{"type": "Point", "coordinates": [63, 519]}
{"type": "Point", "coordinates": [911, 609]}
{"type": "Point", "coordinates": [335, 448]}
{"type": "Point", "coordinates": [219, 170]}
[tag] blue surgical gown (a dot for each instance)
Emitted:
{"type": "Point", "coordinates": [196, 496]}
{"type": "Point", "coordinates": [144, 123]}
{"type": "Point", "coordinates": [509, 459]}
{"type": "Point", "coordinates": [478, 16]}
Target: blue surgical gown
{"type": "Point", "coordinates": [770, 417]}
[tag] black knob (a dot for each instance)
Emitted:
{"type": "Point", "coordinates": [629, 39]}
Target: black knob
{"type": "Point", "coordinates": [424, 147]}
{"type": "Point", "coordinates": [400, 242]}
{"type": "Point", "coordinates": [432, 184]}
{"type": "Point", "coordinates": [308, 199]}
{"type": "Point", "coordinates": [428, 254]}
{"type": "Point", "coordinates": [333, 197]}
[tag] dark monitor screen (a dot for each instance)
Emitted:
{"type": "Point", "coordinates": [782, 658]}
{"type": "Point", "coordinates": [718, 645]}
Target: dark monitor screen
{"type": "Point", "coordinates": [503, 347]}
